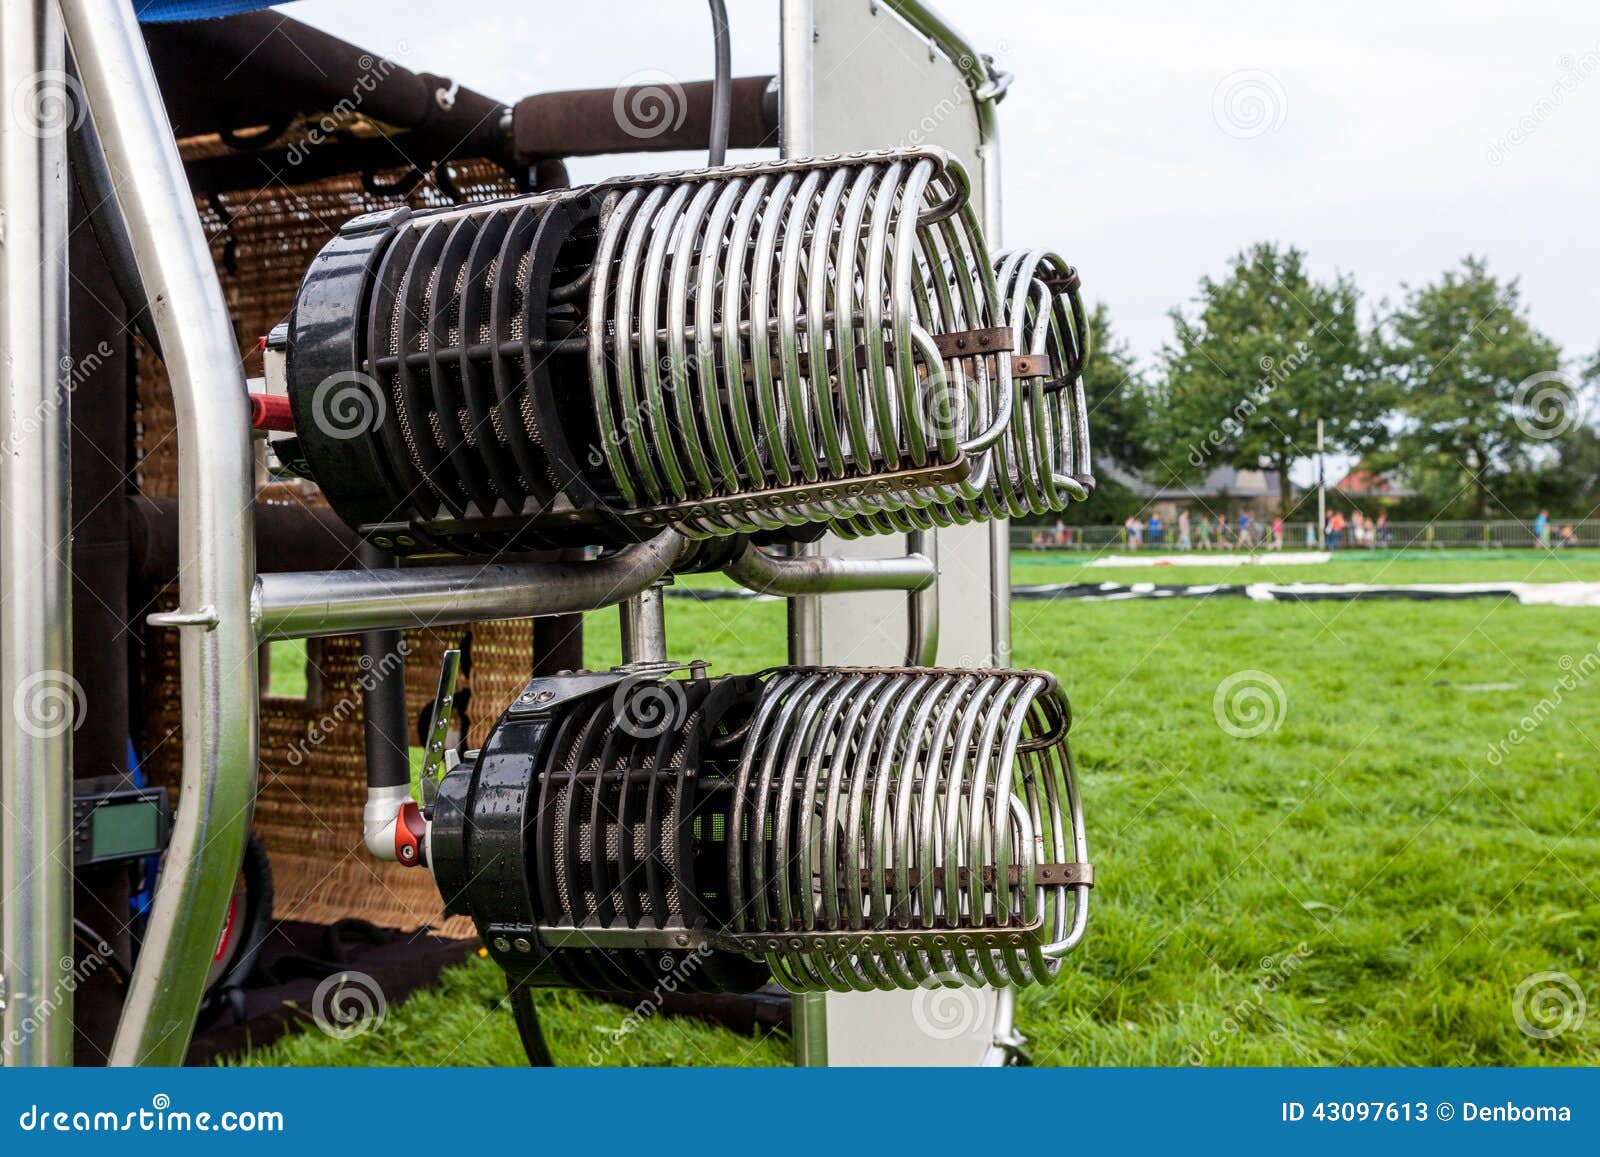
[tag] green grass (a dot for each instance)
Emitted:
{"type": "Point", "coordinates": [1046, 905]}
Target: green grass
{"type": "Point", "coordinates": [462, 1021]}
{"type": "Point", "coordinates": [1360, 885]}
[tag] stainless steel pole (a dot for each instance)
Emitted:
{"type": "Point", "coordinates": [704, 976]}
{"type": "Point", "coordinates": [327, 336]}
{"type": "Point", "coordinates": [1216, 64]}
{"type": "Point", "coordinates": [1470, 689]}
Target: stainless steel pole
{"type": "Point", "coordinates": [1322, 492]}
{"type": "Point", "coordinates": [922, 604]}
{"type": "Point", "coordinates": [216, 544]}
{"type": "Point", "coordinates": [811, 574]}
{"type": "Point", "coordinates": [796, 36]}
{"type": "Point", "coordinates": [644, 627]}
{"type": "Point", "coordinates": [304, 604]}
{"type": "Point", "coordinates": [36, 685]}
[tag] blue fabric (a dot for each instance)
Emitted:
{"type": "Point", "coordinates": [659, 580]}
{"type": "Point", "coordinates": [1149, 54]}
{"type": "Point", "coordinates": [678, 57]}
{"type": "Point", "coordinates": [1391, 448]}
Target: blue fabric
{"type": "Point", "coordinates": [171, 11]}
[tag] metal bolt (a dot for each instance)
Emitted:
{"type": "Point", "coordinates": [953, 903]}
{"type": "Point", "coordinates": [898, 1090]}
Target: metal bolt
{"type": "Point", "coordinates": [522, 944]}
{"type": "Point", "coordinates": [501, 944]}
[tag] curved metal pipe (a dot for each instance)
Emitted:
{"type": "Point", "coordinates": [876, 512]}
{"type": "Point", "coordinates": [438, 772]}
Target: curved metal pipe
{"type": "Point", "coordinates": [303, 604]}
{"type": "Point", "coordinates": [816, 575]}
{"type": "Point", "coordinates": [722, 85]}
{"type": "Point", "coordinates": [98, 193]}
{"type": "Point", "coordinates": [922, 605]}
{"type": "Point", "coordinates": [216, 542]}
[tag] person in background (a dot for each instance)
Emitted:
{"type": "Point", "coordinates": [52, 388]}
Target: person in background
{"type": "Point", "coordinates": [1154, 530]}
{"type": "Point", "coordinates": [1277, 532]}
{"type": "Point", "coordinates": [1311, 536]}
{"type": "Point", "coordinates": [1358, 529]}
{"type": "Point", "coordinates": [1565, 537]}
{"type": "Point", "coordinates": [1132, 531]}
{"type": "Point", "coordinates": [1384, 533]}
{"type": "Point", "coordinates": [1336, 526]}
{"type": "Point", "coordinates": [1183, 529]}
{"type": "Point", "coordinates": [1244, 529]}
{"type": "Point", "coordinates": [1205, 532]}
{"type": "Point", "coordinates": [1541, 528]}
{"type": "Point", "coordinates": [1222, 533]}
{"type": "Point", "coordinates": [1061, 533]}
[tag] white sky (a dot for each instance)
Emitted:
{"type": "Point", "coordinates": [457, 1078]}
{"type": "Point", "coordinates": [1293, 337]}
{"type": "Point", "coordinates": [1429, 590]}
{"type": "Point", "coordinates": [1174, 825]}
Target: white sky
{"type": "Point", "coordinates": [1382, 115]}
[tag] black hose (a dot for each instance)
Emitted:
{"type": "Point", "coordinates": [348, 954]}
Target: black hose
{"type": "Point", "coordinates": [99, 195]}
{"type": "Point", "coordinates": [721, 84]}
{"type": "Point", "coordinates": [383, 693]}
{"type": "Point", "coordinates": [528, 1026]}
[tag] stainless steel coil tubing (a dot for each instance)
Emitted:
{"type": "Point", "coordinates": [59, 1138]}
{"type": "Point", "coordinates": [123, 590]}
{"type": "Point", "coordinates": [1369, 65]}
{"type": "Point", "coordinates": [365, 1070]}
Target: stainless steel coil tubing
{"type": "Point", "coordinates": [898, 828]}
{"type": "Point", "coordinates": [1042, 462]}
{"type": "Point", "coordinates": [761, 341]}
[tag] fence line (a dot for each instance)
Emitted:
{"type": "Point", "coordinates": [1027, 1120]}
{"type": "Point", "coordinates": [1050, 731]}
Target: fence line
{"type": "Point", "coordinates": [1441, 535]}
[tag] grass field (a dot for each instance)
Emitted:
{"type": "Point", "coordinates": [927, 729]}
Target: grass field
{"type": "Point", "coordinates": [1361, 883]}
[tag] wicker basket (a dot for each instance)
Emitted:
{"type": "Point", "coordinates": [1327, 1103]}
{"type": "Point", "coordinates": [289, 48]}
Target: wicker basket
{"type": "Point", "coordinates": [312, 769]}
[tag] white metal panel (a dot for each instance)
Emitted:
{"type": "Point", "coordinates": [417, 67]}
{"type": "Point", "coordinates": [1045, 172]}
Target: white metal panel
{"type": "Point", "coordinates": [877, 83]}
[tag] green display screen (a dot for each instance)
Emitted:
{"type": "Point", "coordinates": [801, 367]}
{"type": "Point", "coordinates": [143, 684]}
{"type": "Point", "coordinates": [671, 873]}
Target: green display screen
{"type": "Point", "coordinates": [125, 829]}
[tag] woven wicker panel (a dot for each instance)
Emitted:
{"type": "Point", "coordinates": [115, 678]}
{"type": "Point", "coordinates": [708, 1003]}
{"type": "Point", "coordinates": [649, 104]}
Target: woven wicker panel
{"type": "Point", "coordinates": [312, 769]}
{"type": "Point", "coordinates": [424, 656]}
{"type": "Point", "coordinates": [502, 660]}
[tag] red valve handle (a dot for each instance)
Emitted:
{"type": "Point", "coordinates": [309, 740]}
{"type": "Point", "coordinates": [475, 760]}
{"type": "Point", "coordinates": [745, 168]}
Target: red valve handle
{"type": "Point", "coordinates": [271, 412]}
{"type": "Point", "coordinates": [409, 830]}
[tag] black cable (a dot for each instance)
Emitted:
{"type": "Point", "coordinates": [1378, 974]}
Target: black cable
{"type": "Point", "coordinates": [528, 1026]}
{"type": "Point", "coordinates": [98, 193]}
{"type": "Point", "coordinates": [721, 84]}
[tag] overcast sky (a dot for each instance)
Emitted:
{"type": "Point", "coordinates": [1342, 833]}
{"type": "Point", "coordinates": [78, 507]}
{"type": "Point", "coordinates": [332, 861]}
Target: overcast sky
{"type": "Point", "coordinates": [1149, 141]}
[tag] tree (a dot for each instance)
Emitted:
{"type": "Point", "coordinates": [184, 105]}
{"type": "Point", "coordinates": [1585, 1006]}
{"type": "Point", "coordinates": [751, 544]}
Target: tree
{"type": "Point", "coordinates": [1480, 391]}
{"type": "Point", "coordinates": [1267, 353]}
